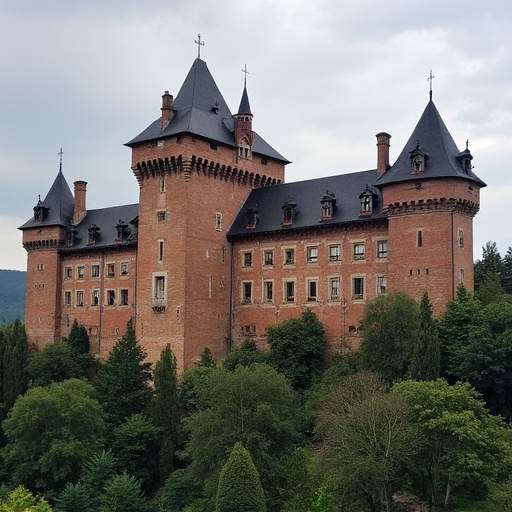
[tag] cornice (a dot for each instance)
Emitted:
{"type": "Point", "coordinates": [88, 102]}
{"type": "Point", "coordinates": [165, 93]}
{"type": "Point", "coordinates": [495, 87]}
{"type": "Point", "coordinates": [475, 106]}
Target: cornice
{"type": "Point", "coordinates": [462, 206]}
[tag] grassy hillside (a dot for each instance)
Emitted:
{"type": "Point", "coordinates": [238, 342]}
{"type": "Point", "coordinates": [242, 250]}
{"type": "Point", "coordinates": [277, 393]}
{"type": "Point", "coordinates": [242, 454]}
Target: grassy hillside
{"type": "Point", "coordinates": [12, 295]}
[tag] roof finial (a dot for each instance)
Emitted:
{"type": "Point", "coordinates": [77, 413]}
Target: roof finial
{"type": "Point", "coordinates": [467, 143]}
{"type": "Point", "coordinates": [430, 79]}
{"type": "Point", "coordinates": [199, 44]}
{"type": "Point", "coordinates": [60, 155]}
{"type": "Point", "coordinates": [244, 70]}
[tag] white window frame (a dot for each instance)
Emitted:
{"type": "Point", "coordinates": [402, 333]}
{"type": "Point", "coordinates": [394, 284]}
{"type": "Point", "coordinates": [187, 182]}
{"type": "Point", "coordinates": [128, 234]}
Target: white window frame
{"type": "Point", "coordinates": [312, 254]}
{"type": "Point", "coordinates": [268, 285]}
{"type": "Point", "coordinates": [334, 253]}
{"type": "Point", "coordinates": [289, 251]}
{"type": "Point", "coordinates": [381, 283]}
{"type": "Point", "coordinates": [358, 251]}
{"type": "Point", "coordinates": [312, 282]}
{"type": "Point", "coordinates": [358, 279]}
{"type": "Point", "coordinates": [289, 285]}
{"type": "Point", "coordinates": [382, 249]}
{"type": "Point", "coordinates": [332, 281]}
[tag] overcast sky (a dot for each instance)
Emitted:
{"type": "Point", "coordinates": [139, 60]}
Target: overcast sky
{"type": "Point", "coordinates": [325, 77]}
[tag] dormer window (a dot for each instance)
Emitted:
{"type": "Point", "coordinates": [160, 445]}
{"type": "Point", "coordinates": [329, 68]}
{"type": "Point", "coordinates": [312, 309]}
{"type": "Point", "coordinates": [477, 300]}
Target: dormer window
{"type": "Point", "coordinates": [251, 216]}
{"type": "Point", "coordinates": [288, 212]}
{"type": "Point", "coordinates": [465, 158]}
{"type": "Point", "coordinates": [328, 202]}
{"type": "Point", "coordinates": [70, 236]}
{"type": "Point", "coordinates": [121, 227]}
{"type": "Point", "coordinates": [366, 198]}
{"type": "Point", "coordinates": [418, 159]}
{"type": "Point", "coordinates": [40, 211]}
{"type": "Point", "coordinates": [93, 234]}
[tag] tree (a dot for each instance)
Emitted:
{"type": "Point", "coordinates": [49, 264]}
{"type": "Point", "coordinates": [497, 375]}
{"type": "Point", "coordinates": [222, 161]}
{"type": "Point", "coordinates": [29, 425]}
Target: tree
{"type": "Point", "coordinates": [390, 326]}
{"type": "Point", "coordinates": [21, 500]}
{"type": "Point", "coordinates": [135, 447]}
{"type": "Point", "coordinates": [78, 338]}
{"type": "Point", "coordinates": [426, 352]}
{"type": "Point", "coordinates": [297, 349]}
{"type": "Point", "coordinates": [245, 354]}
{"type": "Point", "coordinates": [254, 405]}
{"type": "Point", "coordinates": [165, 411]}
{"type": "Point", "coordinates": [51, 431]}
{"type": "Point", "coordinates": [239, 484]}
{"type": "Point", "coordinates": [366, 439]}
{"type": "Point", "coordinates": [490, 289]}
{"type": "Point", "coordinates": [507, 271]}
{"type": "Point", "coordinates": [122, 493]}
{"type": "Point", "coordinates": [123, 381]}
{"type": "Point", "coordinates": [491, 262]}
{"type": "Point", "coordinates": [465, 445]}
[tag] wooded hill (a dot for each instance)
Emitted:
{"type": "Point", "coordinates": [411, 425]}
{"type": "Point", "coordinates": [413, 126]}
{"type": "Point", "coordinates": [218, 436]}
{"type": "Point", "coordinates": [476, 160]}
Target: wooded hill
{"type": "Point", "coordinates": [12, 295]}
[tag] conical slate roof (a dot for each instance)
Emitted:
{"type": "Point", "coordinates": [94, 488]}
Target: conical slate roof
{"type": "Point", "coordinates": [432, 137]}
{"type": "Point", "coordinates": [58, 204]}
{"type": "Point", "coordinates": [200, 109]}
{"type": "Point", "coordinates": [245, 107]}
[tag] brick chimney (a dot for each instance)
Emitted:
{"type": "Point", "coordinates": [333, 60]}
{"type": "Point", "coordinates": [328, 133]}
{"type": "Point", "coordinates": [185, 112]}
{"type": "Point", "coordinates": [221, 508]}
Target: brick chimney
{"type": "Point", "coordinates": [79, 209]}
{"type": "Point", "coordinates": [382, 152]}
{"type": "Point", "coordinates": [167, 109]}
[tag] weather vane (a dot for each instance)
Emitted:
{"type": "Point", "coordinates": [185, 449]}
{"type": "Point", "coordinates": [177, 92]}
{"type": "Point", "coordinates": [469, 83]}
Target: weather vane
{"type": "Point", "coordinates": [430, 79]}
{"type": "Point", "coordinates": [199, 44]}
{"type": "Point", "coordinates": [244, 70]}
{"type": "Point", "coordinates": [60, 156]}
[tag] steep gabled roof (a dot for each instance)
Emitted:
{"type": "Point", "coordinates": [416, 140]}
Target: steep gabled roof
{"type": "Point", "coordinates": [433, 138]}
{"type": "Point", "coordinates": [307, 196]}
{"type": "Point", "coordinates": [58, 205]}
{"type": "Point", "coordinates": [200, 109]}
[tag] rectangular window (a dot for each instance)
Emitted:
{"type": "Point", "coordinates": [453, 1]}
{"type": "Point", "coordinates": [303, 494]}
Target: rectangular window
{"type": "Point", "coordinates": [334, 253]}
{"type": "Point", "coordinates": [160, 250]}
{"type": "Point", "coordinates": [68, 272]}
{"type": "Point", "coordinates": [95, 271]}
{"type": "Point", "coordinates": [40, 266]}
{"type": "Point", "coordinates": [289, 256]}
{"type": "Point", "coordinates": [67, 299]}
{"type": "Point", "coordinates": [358, 288]}
{"type": "Point", "coordinates": [247, 259]}
{"type": "Point", "coordinates": [159, 288]}
{"type": "Point", "coordinates": [460, 237]}
{"type": "Point", "coordinates": [461, 275]}
{"type": "Point", "coordinates": [162, 183]}
{"type": "Point", "coordinates": [381, 285]}
{"type": "Point", "coordinates": [160, 216]}
{"type": "Point", "coordinates": [312, 289]}
{"type": "Point", "coordinates": [312, 254]}
{"type": "Point", "coordinates": [268, 258]}
{"type": "Point", "coordinates": [419, 238]}
{"type": "Point", "coordinates": [80, 298]}
{"type": "Point", "coordinates": [95, 297]}
{"type": "Point", "coordinates": [359, 251]}
{"type": "Point", "coordinates": [334, 288]}
{"type": "Point", "coordinates": [124, 268]}
{"type": "Point", "coordinates": [80, 272]}
{"type": "Point", "coordinates": [247, 293]}
{"type": "Point", "coordinates": [218, 222]}
{"type": "Point", "coordinates": [382, 249]}
{"type": "Point", "coordinates": [268, 291]}
{"type": "Point", "coordinates": [289, 291]}
{"type": "Point", "coordinates": [123, 296]}
{"type": "Point", "coordinates": [111, 270]}
{"type": "Point", "coordinates": [111, 297]}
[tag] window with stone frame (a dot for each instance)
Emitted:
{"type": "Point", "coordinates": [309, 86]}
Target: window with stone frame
{"type": "Point", "coordinates": [160, 215]}
{"type": "Point", "coordinates": [124, 268]}
{"type": "Point", "coordinates": [312, 290]}
{"type": "Point", "coordinates": [95, 297]}
{"type": "Point", "coordinates": [268, 291]}
{"type": "Point", "coordinates": [334, 288]}
{"type": "Point", "coordinates": [268, 258]}
{"type": "Point", "coordinates": [382, 285]}
{"type": "Point", "coordinates": [358, 251]}
{"type": "Point", "coordinates": [246, 292]}
{"type": "Point", "coordinates": [95, 270]}
{"type": "Point", "coordinates": [460, 237]}
{"type": "Point", "coordinates": [67, 299]}
{"type": "Point", "coordinates": [289, 291]}
{"type": "Point", "coordinates": [335, 252]}
{"type": "Point", "coordinates": [247, 259]}
{"type": "Point", "coordinates": [111, 297]}
{"type": "Point", "coordinates": [80, 272]}
{"type": "Point", "coordinates": [111, 270]}
{"type": "Point", "coordinates": [123, 297]}
{"type": "Point", "coordinates": [358, 290]}
{"type": "Point", "coordinates": [218, 222]}
{"type": "Point", "coordinates": [382, 248]}
{"type": "Point", "coordinates": [289, 256]}
{"type": "Point", "coordinates": [68, 272]}
{"type": "Point", "coordinates": [80, 298]}
{"type": "Point", "coordinates": [312, 254]}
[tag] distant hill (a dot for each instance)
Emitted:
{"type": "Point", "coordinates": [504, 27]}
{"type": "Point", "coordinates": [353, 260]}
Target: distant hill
{"type": "Point", "coordinates": [12, 295]}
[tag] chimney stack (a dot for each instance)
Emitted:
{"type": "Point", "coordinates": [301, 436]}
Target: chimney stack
{"type": "Point", "coordinates": [79, 209]}
{"type": "Point", "coordinates": [382, 152]}
{"type": "Point", "coordinates": [167, 109]}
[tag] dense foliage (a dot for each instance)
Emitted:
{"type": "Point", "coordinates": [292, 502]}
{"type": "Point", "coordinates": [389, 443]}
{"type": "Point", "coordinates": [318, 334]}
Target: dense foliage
{"type": "Point", "coordinates": [12, 296]}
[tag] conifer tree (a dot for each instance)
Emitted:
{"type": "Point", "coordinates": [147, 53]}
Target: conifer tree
{"type": "Point", "coordinates": [426, 352]}
{"type": "Point", "coordinates": [123, 382]}
{"type": "Point", "coordinates": [239, 484]}
{"type": "Point", "coordinates": [165, 410]}
{"type": "Point", "coordinates": [78, 338]}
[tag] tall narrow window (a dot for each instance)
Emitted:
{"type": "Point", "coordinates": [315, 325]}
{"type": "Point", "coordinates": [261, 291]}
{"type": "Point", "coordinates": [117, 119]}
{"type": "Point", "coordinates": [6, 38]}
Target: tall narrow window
{"type": "Point", "coordinates": [460, 237]}
{"type": "Point", "coordinates": [67, 299]}
{"type": "Point", "coordinates": [334, 288]}
{"type": "Point", "coordinates": [289, 256]}
{"type": "Point", "coordinates": [312, 289]}
{"type": "Point", "coordinates": [79, 298]}
{"type": "Point", "coordinates": [123, 297]}
{"type": "Point", "coordinates": [95, 297]}
{"type": "Point", "coordinates": [111, 270]}
{"type": "Point", "coordinates": [381, 285]}
{"type": "Point", "coordinates": [159, 293]}
{"type": "Point", "coordinates": [268, 291]}
{"type": "Point", "coordinates": [95, 271]}
{"type": "Point", "coordinates": [382, 249]}
{"type": "Point", "coordinates": [218, 222]}
{"type": "Point", "coordinates": [419, 238]}
{"type": "Point", "coordinates": [247, 292]}
{"type": "Point", "coordinates": [81, 272]}
{"type": "Point", "coordinates": [68, 272]}
{"type": "Point", "coordinates": [160, 250]}
{"type": "Point", "coordinates": [111, 298]}
{"type": "Point", "coordinates": [162, 183]}
{"type": "Point", "coordinates": [268, 258]}
{"type": "Point", "coordinates": [289, 291]}
{"type": "Point", "coordinates": [461, 275]}
{"type": "Point", "coordinates": [358, 288]}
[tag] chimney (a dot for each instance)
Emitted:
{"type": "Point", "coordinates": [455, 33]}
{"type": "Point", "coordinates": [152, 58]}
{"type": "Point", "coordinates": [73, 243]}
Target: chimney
{"type": "Point", "coordinates": [79, 209]}
{"type": "Point", "coordinates": [167, 109]}
{"type": "Point", "coordinates": [382, 152]}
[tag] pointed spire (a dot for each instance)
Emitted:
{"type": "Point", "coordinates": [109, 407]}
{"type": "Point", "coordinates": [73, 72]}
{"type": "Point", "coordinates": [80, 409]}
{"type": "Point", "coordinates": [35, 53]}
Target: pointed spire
{"type": "Point", "coordinates": [245, 107]}
{"type": "Point", "coordinates": [430, 79]}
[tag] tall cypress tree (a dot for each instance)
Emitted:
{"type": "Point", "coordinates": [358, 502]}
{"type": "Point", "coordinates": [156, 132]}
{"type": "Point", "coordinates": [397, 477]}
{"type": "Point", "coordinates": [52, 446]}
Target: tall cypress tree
{"type": "Point", "coordinates": [78, 338]}
{"type": "Point", "coordinates": [426, 352]}
{"type": "Point", "coordinates": [14, 364]}
{"type": "Point", "coordinates": [165, 410]}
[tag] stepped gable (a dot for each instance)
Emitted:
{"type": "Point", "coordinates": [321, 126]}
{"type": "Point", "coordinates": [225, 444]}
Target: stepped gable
{"type": "Point", "coordinates": [58, 206]}
{"type": "Point", "coordinates": [199, 109]}
{"type": "Point", "coordinates": [106, 221]}
{"type": "Point", "coordinates": [307, 196]}
{"type": "Point", "coordinates": [444, 158]}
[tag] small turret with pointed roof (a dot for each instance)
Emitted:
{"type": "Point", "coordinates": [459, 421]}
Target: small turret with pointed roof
{"type": "Point", "coordinates": [243, 124]}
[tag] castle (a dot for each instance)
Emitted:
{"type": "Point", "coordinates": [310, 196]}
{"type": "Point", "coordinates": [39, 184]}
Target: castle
{"type": "Point", "coordinates": [219, 247]}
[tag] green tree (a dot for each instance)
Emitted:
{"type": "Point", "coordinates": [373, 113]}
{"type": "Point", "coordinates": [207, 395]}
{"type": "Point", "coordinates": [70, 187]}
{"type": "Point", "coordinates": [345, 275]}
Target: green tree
{"type": "Point", "coordinates": [239, 484]}
{"type": "Point", "coordinates": [426, 352]}
{"type": "Point", "coordinates": [390, 328]}
{"type": "Point", "coordinates": [507, 271]}
{"type": "Point", "coordinates": [297, 349]}
{"type": "Point", "coordinates": [135, 447]}
{"type": "Point", "coordinates": [245, 354]}
{"type": "Point", "coordinates": [366, 439]}
{"type": "Point", "coordinates": [490, 289]}
{"type": "Point", "coordinates": [123, 382]}
{"type": "Point", "coordinates": [165, 410]}
{"type": "Point", "coordinates": [491, 262]}
{"type": "Point", "coordinates": [50, 432]}
{"type": "Point", "coordinates": [122, 493]}
{"type": "Point", "coordinates": [78, 338]}
{"type": "Point", "coordinates": [465, 445]}
{"type": "Point", "coordinates": [190, 393]}
{"type": "Point", "coordinates": [254, 405]}
{"type": "Point", "coordinates": [22, 500]}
